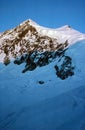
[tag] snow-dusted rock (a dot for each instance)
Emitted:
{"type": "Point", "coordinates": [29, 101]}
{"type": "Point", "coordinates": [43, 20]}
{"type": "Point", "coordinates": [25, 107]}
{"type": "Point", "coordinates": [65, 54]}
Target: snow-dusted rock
{"type": "Point", "coordinates": [29, 36]}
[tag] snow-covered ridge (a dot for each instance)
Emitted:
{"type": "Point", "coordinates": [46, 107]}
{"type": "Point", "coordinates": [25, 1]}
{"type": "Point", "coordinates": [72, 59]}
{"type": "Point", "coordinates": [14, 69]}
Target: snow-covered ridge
{"type": "Point", "coordinates": [29, 36]}
{"type": "Point", "coordinates": [61, 34]}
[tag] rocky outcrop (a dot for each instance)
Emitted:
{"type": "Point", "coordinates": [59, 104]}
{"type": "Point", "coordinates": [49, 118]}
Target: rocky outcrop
{"type": "Point", "coordinates": [35, 59]}
{"type": "Point", "coordinates": [66, 69]}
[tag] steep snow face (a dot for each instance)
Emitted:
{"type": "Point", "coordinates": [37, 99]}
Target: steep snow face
{"type": "Point", "coordinates": [41, 100]}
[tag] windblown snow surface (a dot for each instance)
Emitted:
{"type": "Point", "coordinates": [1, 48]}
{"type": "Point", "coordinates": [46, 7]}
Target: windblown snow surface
{"type": "Point", "coordinates": [39, 100]}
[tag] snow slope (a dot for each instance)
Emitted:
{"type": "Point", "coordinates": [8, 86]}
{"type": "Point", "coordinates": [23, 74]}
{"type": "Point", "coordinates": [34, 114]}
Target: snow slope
{"type": "Point", "coordinates": [56, 104]}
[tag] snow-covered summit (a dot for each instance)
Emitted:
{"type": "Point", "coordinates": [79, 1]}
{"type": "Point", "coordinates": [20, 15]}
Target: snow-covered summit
{"type": "Point", "coordinates": [61, 34]}
{"type": "Point", "coordinates": [30, 36]}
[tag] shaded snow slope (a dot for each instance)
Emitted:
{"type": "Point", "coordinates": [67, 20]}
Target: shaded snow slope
{"type": "Point", "coordinates": [39, 100]}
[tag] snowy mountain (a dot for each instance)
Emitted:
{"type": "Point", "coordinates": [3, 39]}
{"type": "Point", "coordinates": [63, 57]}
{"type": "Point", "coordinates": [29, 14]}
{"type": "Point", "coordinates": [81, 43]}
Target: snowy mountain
{"type": "Point", "coordinates": [29, 36]}
{"type": "Point", "coordinates": [42, 73]}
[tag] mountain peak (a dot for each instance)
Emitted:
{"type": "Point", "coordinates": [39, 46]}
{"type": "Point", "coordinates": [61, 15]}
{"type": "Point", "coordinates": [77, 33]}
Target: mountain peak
{"type": "Point", "coordinates": [61, 34]}
{"type": "Point", "coordinates": [65, 27]}
{"type": "Point", "coordinates": [29, 21]}
{"type": "Point", "coordinates": [29, 36]}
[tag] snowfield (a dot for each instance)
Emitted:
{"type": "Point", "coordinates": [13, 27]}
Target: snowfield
{"type": "Point", "coordinates": [39, 100]}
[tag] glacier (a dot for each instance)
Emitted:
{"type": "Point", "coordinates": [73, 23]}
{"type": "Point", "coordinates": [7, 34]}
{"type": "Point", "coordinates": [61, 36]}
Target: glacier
{"type": "Point", "coordinates": [42, 78]}
{"type": "Point", "coordinates": [53, 105]}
